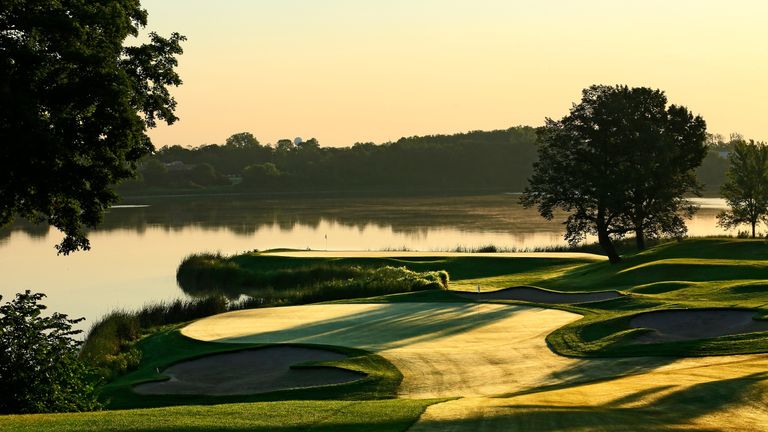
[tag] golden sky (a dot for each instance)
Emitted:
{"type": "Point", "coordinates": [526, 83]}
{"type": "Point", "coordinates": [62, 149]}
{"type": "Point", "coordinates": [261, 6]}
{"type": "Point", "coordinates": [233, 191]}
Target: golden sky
{"type": "Point", "coordinates": [345, 71]}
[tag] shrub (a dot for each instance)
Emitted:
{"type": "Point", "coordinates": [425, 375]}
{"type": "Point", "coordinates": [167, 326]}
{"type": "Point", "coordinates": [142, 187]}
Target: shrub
{"type": "Point", "coordinates": [39, 366]}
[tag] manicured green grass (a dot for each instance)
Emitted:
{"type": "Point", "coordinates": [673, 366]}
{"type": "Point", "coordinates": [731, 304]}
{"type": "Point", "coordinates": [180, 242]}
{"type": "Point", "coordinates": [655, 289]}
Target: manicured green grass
{"type": "Point", "coordinates": [394, 415]}
{"type": "Point", "coordinates": [167, 347]}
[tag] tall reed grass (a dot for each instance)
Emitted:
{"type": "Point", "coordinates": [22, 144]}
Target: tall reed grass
{"type": "Point", "coordinates": [214, 274]}
{"type": "Point", "coordinates": [110, 343]}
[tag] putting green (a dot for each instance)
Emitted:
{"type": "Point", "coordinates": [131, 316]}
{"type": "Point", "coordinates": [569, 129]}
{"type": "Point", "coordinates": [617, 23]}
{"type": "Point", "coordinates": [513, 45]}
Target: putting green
{"type": "Point", "coordinates": [442, 349]}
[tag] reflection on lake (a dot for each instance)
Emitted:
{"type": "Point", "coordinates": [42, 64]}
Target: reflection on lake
{"type": "Point", "coordinates": [137, 248]}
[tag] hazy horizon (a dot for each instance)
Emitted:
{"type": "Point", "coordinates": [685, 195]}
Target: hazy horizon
{"type": "Point", "coordinates": [344, 71]}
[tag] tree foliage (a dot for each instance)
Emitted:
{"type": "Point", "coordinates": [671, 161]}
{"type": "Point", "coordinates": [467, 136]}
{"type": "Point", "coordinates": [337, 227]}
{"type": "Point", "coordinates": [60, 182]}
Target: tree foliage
{"type": "Point", "coordinates": [619, 162]}
{"type": "Point", "coordinates": [746, 190]}
{"type": "Point", "coordinates": [39, 366]}
{"type": "Point", "coordinates": [75, 105]}
{"type": "Point", "coordinates": [498, 160]}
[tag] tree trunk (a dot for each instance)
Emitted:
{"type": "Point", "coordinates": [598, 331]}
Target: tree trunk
{"type": "Point", "coordinates": [605, 242]}
{"type": "Point", "coordinates": [753, 228]}
{"type": "Point", "coordinates": [640, 238]}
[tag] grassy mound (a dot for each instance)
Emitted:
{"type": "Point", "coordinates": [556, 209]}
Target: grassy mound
{"type": "Point", "coordinates": [691, 274]}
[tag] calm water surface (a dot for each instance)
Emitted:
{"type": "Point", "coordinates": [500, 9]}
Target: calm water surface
{"type": "Point", "coordinates": [137, 249]}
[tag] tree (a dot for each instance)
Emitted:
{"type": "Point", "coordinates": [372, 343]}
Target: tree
{"type": "Point", "coordinates": [39, 366]}
{"type": "Point", "coordinates": [242, 140]}
{"type": "Point", "coordinates": [672, 145]}
{"type": "Point", "coordinates": [285, 146]}
{"type": "Point", "coordinates": [261, 175]}
{"type": "Point", "coordinates": [746, 189]}
{"type": "Point", "coordinates": [614, 163]}
{"type": "Point", "coordinates": [205, 175]}
{"type": "Point", "coordinates": [75, 106]}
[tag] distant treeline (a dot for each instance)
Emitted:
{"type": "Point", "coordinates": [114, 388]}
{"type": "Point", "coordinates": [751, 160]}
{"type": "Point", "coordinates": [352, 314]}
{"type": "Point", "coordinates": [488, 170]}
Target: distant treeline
{"type": "Point", "coordinates": [477, 161]}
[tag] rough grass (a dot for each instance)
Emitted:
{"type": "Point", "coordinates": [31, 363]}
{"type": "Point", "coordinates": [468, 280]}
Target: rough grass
{"type": "Point", "coordinates": [394, 415]}
{"type": "Point", "coordinates": [286, 283]}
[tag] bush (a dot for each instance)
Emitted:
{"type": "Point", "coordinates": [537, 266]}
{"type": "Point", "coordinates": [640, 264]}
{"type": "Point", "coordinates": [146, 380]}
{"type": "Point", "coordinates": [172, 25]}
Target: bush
{"type": "Point", "coordinates": [39, 366]}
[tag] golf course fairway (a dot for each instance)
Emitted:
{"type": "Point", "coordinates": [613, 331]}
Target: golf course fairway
{"type": "Point", "coordinates": [495, 359]}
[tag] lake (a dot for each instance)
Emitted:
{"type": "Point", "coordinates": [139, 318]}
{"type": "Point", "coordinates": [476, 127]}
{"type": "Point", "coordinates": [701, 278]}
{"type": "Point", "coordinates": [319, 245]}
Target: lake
{"type": "Point", "coordinates": [136, 250]}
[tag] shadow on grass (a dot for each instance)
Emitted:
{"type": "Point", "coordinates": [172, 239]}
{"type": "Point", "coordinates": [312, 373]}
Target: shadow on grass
{"type": "Point", "coordinates": [673, 411]}
{"type": "Point", "coordinates": [596, 370]}
{"type": "Point", "coordinates": [388, 326]}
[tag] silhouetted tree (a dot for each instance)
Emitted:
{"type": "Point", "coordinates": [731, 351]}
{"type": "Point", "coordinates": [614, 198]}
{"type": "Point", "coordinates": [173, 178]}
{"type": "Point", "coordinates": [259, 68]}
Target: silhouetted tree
{"type": "Point", "coordinates": [609, 164]}
{"type": "Point", "coordinates": [669, 144]}
{"type": "Point", "coordinates": [75, 105]}
{"type": "Point", "coordinates": [746, 190]}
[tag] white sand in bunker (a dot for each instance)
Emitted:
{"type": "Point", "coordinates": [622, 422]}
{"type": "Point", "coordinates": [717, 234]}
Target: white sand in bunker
{"type": "Point", "coordinates": [249, 372]}
{"type": "Point", "coordinates": [541, 296]}
{"type": "Point", "coordinates": [688, 324]}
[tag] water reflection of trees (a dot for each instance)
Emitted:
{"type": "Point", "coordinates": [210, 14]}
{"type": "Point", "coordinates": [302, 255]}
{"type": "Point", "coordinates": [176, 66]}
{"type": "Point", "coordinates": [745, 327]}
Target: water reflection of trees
{"type": "Point", "coordinates": [245, 216]}
{"type": "Point", "coordinates": [416, 218]}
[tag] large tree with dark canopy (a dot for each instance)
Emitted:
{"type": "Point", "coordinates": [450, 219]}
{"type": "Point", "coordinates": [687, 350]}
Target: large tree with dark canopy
{"type": "Point", "coordinates": [621, 161]}
{"type": "Point", "coordinates": [75, 106]}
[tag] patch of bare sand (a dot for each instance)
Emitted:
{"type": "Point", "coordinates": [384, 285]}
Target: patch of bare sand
{"type": "Point", "coordinates": [689, 324]}
{"type": "Point", "coordinates": [250, 372]}
{"type": "Point", "coordinates": [537, 295]}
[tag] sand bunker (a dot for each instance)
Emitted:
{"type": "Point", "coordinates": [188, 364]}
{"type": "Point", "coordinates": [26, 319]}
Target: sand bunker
{"type": "Point", "coordinates": [542, 296]}
{"type": "Point", "coordinates": [249, 372]}
{"type": "Point", "coordinates": [675, 325]}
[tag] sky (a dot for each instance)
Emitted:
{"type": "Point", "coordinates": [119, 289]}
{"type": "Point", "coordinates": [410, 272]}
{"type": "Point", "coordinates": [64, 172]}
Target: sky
{"type": "Point", "coordinates": [346, 71]}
